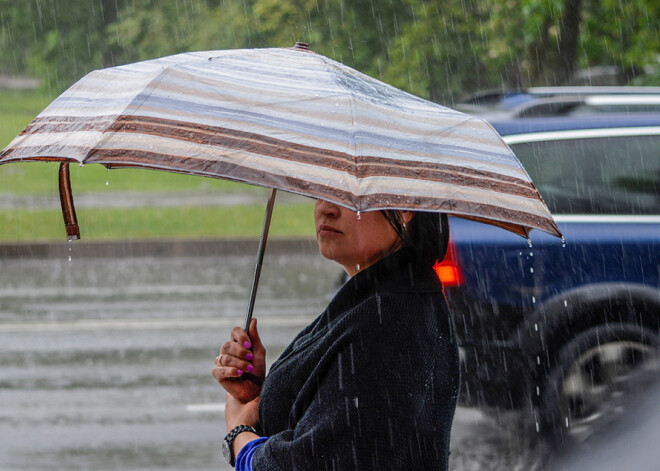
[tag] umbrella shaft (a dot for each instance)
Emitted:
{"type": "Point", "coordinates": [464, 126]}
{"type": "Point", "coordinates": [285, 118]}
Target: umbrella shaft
{"type": "Point", "coordinates": [260, 257]}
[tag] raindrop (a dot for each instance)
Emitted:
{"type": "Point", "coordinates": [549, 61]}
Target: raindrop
{"type": "Point", "coordinates": [538, 360]}
{"type": "Point", "coordinates": [537, 427]}
{"type": "Point", "coordinates": [107, 182]}
{"type": "Point", "coordinates": [536, 327]}
{"type": "Point", "coordinates": [538, 391]}
{"type": "Point", "coordinates": [563, 242]}
{"type": "Point", "coordinates": [357, 266]}
{"type": "Point", "coordinates": [380, 314]}
{"type": "Point", "coordinates": [358, 215]}
{"type": "Point", "coordinates": [531, 254]}
{"type": "Point", "coordinates": [529, 242]}
{"type": "Point", "coordinates": [534, 302]}
{"type": "Point", "coordinates": [565, 303]}
{"type": "Point", "coordinates": [69, 257]}
{"type": "Point", "coordinates": [566, 422]}
{"type": "Point", "coordinates": [531, 269]}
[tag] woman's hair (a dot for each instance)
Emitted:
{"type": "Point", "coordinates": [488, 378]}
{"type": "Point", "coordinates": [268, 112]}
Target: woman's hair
{"type": "Point", "coordinates": [427, 234]}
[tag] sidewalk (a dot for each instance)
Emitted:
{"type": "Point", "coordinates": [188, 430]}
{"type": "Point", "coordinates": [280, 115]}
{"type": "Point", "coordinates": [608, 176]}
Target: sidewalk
{"type": "Point", "coordinates": [154, 248]}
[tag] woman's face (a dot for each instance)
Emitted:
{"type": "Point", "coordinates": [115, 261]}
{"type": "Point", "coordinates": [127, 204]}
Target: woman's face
{"type": "Point", "coordinates": [354, 243]}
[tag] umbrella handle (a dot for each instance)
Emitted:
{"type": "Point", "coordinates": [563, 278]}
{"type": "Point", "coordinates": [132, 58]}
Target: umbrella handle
{"type": "Point", "coordinates": [66, 199]}
{"type": "Point", "coordinates": [260, 257]}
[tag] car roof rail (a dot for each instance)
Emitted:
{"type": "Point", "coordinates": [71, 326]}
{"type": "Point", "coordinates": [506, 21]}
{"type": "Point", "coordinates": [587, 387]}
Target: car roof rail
{"type": "Point", "coordinates": [588, 90]}
{"type": "Point", "coordinates": [562, 105]}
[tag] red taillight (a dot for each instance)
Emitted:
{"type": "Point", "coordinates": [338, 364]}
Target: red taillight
{"type": "Point", "coordinates": [448, 270]}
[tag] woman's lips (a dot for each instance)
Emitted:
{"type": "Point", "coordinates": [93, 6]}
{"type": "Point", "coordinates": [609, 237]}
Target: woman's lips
{"type": "Point", "coordinates": [326, 230]}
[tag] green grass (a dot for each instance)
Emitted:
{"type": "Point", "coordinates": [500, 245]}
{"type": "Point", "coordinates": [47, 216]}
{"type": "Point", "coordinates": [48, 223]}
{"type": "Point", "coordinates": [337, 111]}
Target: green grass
{"type": "Point", "coordinates": [158, 223]}
{"type": "Point", "coordinates": [18, 108]}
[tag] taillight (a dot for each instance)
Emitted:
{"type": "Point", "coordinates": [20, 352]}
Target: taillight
{"type": "Point", "coordinates": [448, 270]}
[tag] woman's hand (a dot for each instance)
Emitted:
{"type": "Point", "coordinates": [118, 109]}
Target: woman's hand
{"type": "Point", "coordinates": [241, 355]}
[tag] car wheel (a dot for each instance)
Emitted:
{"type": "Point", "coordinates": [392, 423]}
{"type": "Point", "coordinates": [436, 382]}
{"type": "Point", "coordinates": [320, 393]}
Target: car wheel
{"type": "Point", "coordinates": [593, 379]}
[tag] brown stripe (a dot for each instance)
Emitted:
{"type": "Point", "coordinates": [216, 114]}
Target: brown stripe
{"type": "Point", "coordinates": [208, 134]}
{"type": "Point", "coordinates": [360, 167]}
{"type": "Point", "coordinates": [259, 144]}
{"type": "Point", "coordinates": [489, 213]}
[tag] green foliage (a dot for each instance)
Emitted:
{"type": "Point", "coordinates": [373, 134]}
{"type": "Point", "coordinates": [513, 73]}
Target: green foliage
{"type": "Point", "coordinates": [531, 40]}
{"type": "Point", "coordinates": [439, 53]}
{"type": "Point", "coordinates": [434, 48]}
{"type": "Point", "coordinates": [625, 34]}
{"type": "Point", "coordinates": [57, 40]}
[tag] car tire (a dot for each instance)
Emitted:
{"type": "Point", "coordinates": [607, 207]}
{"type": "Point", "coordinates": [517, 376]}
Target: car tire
{"type": "Point", "coordinates": [593, 379]}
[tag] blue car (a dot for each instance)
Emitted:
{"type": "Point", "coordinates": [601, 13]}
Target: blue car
{"type": "Point", "coordinates": [563, 329]}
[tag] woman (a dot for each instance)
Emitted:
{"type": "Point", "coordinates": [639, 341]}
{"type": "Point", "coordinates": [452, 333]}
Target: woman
{"type": "Point", "coordinates": [372, 382]}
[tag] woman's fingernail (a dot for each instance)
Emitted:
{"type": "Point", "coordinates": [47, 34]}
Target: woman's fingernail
{"type": "Point", "coordinates": [240, 372]}
{"type": "Point", "coordinates": [250, 368]}
{"type": "Point", "coordinates": [247, 344]}
{"type": "Point", "coordinates": [249, 356]}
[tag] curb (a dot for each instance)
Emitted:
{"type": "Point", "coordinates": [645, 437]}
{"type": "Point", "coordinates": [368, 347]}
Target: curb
{"type": "Point", "coordinates": [156, 248]}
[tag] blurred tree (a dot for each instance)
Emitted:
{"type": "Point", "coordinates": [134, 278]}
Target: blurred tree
{"type": "Point", "coordinates": [434, 48]}
{"type": "Point", "coordinates": [56, 40]}
{"type": "Point", "coordinates": [543, 42]}
{"type": "Point", "coordinates": [439, 53]}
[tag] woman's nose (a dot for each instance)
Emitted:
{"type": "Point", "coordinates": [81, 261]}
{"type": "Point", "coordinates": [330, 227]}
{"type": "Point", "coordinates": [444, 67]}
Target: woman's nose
{"type": "Point", "coordinates": [326, 208]}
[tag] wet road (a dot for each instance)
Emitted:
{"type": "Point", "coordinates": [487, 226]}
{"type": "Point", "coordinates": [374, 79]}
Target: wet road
{"type": "Point", "coordinates": [105, 363]}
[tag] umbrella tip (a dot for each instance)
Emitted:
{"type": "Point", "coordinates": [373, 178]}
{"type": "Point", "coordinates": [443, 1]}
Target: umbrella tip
{"type": "Point", "coordinates": [301, 46]}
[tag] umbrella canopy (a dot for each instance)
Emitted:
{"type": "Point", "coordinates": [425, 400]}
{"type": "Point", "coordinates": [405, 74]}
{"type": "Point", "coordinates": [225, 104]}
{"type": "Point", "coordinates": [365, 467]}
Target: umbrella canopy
{"type": "Point", "coordinates": [289, 119]}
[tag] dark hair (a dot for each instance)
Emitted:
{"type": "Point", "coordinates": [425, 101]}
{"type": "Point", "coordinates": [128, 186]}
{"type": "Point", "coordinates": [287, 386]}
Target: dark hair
{"type": "Point", "coordinates": [427, 234]}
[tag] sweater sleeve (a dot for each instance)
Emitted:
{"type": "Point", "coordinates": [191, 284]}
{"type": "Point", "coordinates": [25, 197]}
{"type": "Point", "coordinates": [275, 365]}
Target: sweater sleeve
{"type": "Point", "coordinates": [244, 458]}
{"type": "Point", "coordinates": [369, 410]}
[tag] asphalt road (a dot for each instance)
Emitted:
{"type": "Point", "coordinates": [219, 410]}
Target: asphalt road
{"type": "Point", "coordinates": [105, 363]}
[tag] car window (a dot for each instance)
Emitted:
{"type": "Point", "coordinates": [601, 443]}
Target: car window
{"type": "Point", "coordinates": [613, 175]}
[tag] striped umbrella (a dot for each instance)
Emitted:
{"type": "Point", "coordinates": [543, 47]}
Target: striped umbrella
{"type": "Point", "coordinates": [288, 119]}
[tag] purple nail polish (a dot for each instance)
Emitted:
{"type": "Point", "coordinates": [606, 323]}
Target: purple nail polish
{"type": "Point", "coordinates": [249, 357]}
{"type": "Point", "coordinates": [250, 368]}
{"type": "Point", "coordinates": [247, 344]}
{"type": "Point", "coordinates": [240, 372]}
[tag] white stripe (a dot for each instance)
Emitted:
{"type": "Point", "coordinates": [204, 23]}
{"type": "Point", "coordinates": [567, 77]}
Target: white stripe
{"type": "Point", "coordinates": [610, 219]}
{"type": "Point", "coordinates": [581, 134]}
{"type": "Point", "coordinates": [213, 407]}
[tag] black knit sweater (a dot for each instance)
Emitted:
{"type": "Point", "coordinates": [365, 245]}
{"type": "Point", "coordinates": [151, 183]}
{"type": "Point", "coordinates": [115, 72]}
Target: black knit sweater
{"type": "Point", "coordinates": [371, 383]}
